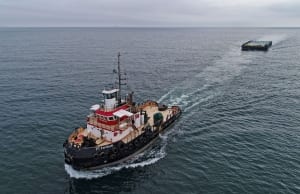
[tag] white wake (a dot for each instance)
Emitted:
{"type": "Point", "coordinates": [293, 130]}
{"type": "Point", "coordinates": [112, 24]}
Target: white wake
{"type": "Point", "coordinates": [275, 38]}
{"type": "Point", "coordinates": [203, 86]}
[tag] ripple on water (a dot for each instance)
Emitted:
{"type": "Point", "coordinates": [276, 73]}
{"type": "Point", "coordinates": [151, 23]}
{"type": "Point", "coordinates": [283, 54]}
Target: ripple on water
{"type": "Point", "coordinates": [239, 132]}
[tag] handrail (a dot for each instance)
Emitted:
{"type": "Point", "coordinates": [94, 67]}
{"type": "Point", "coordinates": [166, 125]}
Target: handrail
{"type": "Point", "coordinates": [93, 121]}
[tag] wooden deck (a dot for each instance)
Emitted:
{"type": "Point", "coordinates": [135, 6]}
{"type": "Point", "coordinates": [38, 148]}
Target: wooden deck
{"type": "Point", "coordinates": [151, 110]}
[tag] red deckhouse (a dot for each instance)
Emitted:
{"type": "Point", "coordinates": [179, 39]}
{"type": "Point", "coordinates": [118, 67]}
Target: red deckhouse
{"type": "Point", "coordinates": [114, 119]}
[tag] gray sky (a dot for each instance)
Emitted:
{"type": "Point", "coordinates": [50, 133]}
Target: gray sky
{"type": "Point", "coordinates": [211, 13]}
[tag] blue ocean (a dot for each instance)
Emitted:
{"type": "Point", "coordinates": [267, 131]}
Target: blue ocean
{"type": "Point", "coordinates": [239, 131]}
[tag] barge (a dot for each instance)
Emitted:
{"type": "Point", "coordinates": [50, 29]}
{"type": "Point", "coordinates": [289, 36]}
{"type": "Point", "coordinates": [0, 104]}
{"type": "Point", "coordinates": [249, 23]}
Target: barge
{"type": "Point", "coordinates": [117, 129]}
{"type": "Point", "coordinates": [256, 45]}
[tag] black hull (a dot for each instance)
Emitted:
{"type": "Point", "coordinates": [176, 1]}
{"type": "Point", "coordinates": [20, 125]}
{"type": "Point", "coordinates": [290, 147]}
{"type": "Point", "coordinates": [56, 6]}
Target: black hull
{"type": "Point", "coordinates": [255, 48]}
{"type": "Point", "coordinates": [99, 157]}
{"type": "Point", "coordinates": [258, 46]}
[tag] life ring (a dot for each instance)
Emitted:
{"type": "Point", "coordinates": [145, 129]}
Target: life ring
{"type": "Point", "coordinates": [114, 150]}
{"type": "Point", "coordinates": [136, 143]}
{"type": "Point", "coordinates": [121, 145]}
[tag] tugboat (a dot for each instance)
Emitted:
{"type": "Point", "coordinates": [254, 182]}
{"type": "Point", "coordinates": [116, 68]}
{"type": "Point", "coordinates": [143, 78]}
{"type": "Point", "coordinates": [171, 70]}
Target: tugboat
{"type": "Point", "coordinates": [117, 129]}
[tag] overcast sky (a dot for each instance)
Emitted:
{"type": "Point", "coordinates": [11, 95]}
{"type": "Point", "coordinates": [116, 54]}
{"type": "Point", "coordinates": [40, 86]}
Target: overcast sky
{"type": "Point", "coordinates": [144, 13]}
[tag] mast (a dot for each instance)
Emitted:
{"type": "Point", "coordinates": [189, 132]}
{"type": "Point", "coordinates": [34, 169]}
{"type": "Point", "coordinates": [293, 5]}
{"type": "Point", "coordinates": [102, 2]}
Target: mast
{"type": "Point", "coordinates": [119, 79]}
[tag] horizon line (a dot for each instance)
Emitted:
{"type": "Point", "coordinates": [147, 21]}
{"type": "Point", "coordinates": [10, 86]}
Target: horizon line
{"type": "Point", "coordinates": [149, 26]}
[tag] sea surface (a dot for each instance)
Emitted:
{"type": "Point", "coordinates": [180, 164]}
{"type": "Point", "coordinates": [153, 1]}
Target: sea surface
{"type": "Point", "coordinates": [239, 132]}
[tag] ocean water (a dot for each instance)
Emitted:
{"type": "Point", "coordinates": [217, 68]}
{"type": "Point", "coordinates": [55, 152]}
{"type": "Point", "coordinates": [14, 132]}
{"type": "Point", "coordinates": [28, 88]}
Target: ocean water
{"type": "Point", "coordinates": [239, 132]}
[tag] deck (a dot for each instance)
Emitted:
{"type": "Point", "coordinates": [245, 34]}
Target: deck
{"type": "Point", "coordinates": [150, 108]}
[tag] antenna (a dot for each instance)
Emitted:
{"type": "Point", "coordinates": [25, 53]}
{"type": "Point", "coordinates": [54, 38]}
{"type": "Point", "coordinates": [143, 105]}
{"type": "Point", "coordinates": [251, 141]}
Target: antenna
{"type": "Point", "coordinates": [119, 78]}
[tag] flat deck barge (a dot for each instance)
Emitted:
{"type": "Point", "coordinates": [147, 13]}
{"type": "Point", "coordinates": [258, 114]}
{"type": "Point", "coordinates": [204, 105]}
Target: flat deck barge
{"type": "Point", "coordinates": [256, 45]}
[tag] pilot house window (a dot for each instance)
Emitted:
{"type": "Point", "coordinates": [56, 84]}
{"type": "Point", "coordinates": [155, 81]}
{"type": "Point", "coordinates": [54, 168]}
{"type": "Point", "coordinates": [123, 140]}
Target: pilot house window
{"type": "Point", "coordinates": [110, 96]}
